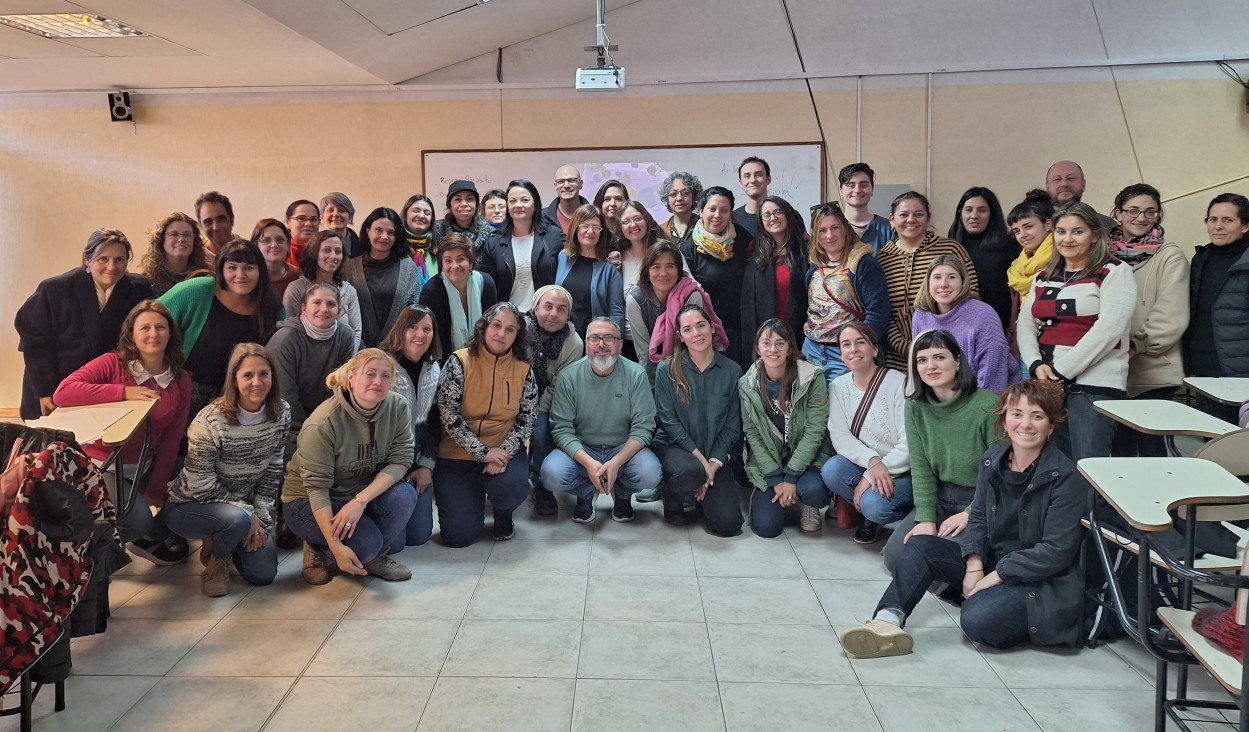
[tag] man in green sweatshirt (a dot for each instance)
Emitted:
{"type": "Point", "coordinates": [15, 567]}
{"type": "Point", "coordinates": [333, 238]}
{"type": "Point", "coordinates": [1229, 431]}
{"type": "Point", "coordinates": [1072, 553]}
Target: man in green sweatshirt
{"type": "Point", "coordinates": [602, 419]}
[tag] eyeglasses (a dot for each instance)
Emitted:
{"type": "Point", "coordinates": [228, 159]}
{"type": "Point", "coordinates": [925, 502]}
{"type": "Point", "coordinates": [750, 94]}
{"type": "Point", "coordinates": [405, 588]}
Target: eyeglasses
{"type": "Point", "coordinates": [632, 221]}
{"type": "Point", "coordinates": [593, 228]}
{"type": "Point", "coordinates": [179, 235]}
{"type": "Point", "coordinates": [683, 193]}
{"type": "Point", "coordinates": [774, 214]}
{"type": "Point", "coordinates": [274, 240]}
{"type": "Point", "coordinates": [826, 207]}
{"type": "Point", "coordinates": [566, 181]}
{"type": "Point", "coordinates": [1149, 213]}
{"type": "Point", "coordinates": [609, 340]}
{"type": "Point", "coordinates": [301, 220]}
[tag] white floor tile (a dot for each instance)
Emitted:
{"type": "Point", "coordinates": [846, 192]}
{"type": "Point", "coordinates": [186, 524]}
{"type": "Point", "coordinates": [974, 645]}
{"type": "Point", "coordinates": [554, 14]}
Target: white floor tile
{"type": "Point", "coordinates": [250, 647]}
{"type": "Point", "coordinates": [665, 557]}
{"type": "Point", "coordinates": [1058, 710]}
{"type": "Point", "coordinates": [779, 653]}
{"type": "Point", "coordinates": [471, 704]}
{"type": "Point", "coordinates": [137, 647]}
{"type": "Point", "coordinates": [392, 647]}
{"type": "Point", "coordinates": [965, 710]}
{"type": "Point", "coordinates": [195, 704]}
{"type": "Point", "coordinates": [614, 705]}
{"type": "Point", "coordinates": [756, 600]}
{"type": "Point", "coordinates": [525, 648]}
{"type": "Point", "coordinates": [674, 599]}
{"type": "Point", "coordinates": [943, 657]}
{"type": "Point", "coordinates": [760, 707]}
{"type": "Point", "coordinates": [772, 558]}
{"type": "Point", "coordinates": [645, 650]}
{"type": "Point", "coordinates": [424, 596]}
{"type": "Point", "coordinates": [529, 596]}
{"type": "Point", "coordinates": [374, 704]}
{"type": "Point", "coordinates": [564, 556]}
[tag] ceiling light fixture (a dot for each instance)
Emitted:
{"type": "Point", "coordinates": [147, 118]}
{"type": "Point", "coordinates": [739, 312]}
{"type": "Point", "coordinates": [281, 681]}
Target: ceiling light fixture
{"type": "Point", "coordinates": [70, 25]}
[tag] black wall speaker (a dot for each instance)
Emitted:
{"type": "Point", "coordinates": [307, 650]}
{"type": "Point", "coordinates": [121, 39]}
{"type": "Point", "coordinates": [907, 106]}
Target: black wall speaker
{"type": "Point", "coordinates": [119, 106]}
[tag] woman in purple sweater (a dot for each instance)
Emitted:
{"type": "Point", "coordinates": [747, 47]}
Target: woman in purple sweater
{"type": "Point", "coordinates": [946, 304]}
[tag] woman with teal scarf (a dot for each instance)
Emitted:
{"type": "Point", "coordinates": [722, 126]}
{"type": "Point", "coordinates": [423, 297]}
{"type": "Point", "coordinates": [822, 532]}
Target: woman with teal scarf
{"type": "Point", "coordinates": [459, 294]}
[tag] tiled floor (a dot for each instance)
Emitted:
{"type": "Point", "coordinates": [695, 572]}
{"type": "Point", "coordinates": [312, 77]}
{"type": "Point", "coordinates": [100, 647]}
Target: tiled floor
{"type": "Point", "coordinates": [638, 626]}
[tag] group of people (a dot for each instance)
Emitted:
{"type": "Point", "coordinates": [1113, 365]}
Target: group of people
{"type": "Point", "coordinates": [510, 351]}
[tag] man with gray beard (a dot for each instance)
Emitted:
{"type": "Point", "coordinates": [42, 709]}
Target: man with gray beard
{"type": "Point", "coordinates": [602, 420]}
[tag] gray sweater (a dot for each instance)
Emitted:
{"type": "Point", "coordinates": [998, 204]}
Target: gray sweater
{"type": "Point", "coordinates": [303, 363]}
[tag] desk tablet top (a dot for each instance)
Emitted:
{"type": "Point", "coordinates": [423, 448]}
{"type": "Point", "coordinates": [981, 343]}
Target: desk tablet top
{"type": "Point", "coordinates": [1163, 417]}
{"type": "Point", "coordinates": [119, 432]}
{"type": "Point", "coordinates": [1143, 490]}
{"type": "Point", "coordinates": [1225, 389]}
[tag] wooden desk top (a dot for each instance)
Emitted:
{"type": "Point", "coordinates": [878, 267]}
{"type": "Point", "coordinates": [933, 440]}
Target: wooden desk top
{"type": "Point", "coordinates": [1226, 389]}
{"type": "Point", "coordinates": [1143, 490]}
{"type": "Point", "coordinates": [1163, 417]}
{"type": "Point", "coordinates": [120, 432]}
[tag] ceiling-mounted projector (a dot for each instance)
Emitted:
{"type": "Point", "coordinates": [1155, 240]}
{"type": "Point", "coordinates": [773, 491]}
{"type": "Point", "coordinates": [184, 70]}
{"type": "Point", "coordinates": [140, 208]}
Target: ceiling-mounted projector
{"type": "Point", "coordinates": [606, 77]}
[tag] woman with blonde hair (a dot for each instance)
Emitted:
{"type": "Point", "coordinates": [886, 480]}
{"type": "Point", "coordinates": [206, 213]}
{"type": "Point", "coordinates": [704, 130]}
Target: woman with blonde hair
{"type": "Point", "coordinates": [844, 283]}
{"type": "Point", "coordinates": [175, 251]}
{"type": "Point", "coordinates": [946, 303]}
{"type": "Point", "coordinates": [227, 489]}
{"type": "Point", "coordinates": [345, 492]}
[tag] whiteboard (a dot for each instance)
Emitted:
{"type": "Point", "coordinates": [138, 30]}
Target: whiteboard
{"type": "Point", "coordinates": [797, 170]}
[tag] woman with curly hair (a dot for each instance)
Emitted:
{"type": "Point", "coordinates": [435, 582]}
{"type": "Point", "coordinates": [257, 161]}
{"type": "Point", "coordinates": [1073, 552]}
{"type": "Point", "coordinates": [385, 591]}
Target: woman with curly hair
{"type": "Point", "coordinates": [175, 251]}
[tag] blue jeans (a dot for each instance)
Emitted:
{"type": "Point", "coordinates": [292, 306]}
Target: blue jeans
{"type": "Point", "coordinates": [540, 442]}
{"type": "Point", "coordinates": [768, 518]}
{"type": "Point", "coordinates": [227, 525]}
{"type": "Point", "coordinates": [827, 356]}
{"type": "Point", "coordinates": [996, 617]}
{"type": "Point", "coordinates": [561, 473]}
{"type": "Point", "coordinates": [420, 525]}
{"type": "Point", "coordinates": [461, 489]}
{"type": "Point", "coordinates": [841, 476]}
{"type": "Point", "coordinates": [385, 519]}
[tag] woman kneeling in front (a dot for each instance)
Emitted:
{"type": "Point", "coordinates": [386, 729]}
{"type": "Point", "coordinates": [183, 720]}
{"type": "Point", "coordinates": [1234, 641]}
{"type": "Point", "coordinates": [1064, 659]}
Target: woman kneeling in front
{"type": "Point", "coordinates": [1016, 559]}
{"type": "Point", "coordinates": [344, 491]}
{"type": "Point", "coordinates": [226, 490]}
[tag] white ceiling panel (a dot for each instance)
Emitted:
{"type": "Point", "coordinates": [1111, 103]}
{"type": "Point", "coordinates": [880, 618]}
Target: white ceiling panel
{"type": "Point", "coordinates": [1145, 29]}
{"type": "Point", "coordinates": [35, 7]}
{"type": "Point", "coordinates": [908, 36]}
{"type": "Point", "coordinates": [392, 17]}
{"type": "Point", "coordinates": [132, 46]}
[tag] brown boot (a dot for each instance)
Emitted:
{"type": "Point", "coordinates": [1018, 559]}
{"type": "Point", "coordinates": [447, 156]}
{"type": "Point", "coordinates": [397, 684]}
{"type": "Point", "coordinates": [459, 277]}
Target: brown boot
{"type": "Point", "coordinates": [216, 576]}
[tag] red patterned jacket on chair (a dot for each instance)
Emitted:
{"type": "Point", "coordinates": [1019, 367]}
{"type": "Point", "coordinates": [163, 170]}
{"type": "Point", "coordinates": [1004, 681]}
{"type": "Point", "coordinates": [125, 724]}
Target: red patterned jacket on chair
{"type": "Point", "coordinates": [41, 579]}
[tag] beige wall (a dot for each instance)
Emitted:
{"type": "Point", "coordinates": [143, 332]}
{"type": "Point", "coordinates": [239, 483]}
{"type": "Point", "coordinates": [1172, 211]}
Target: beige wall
{"type": "Point", "coordinates": [66, 170]}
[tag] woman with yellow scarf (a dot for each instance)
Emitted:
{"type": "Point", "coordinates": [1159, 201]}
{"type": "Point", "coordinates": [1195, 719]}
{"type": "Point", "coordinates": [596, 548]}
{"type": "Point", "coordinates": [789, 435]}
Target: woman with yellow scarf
{"type": "Point", "coordinates": [1030, 223]}
{"type": "Point", "coordinates": [718, 254]}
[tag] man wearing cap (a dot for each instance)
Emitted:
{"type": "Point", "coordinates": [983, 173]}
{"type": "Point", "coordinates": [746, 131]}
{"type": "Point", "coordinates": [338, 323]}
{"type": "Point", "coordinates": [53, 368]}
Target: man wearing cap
{"type": "Point", "coordinates": [567, 197]}
{"type": "Point", "coordinates": [462, 207]}
{"type": "Point", "coordinates": [555, 344]}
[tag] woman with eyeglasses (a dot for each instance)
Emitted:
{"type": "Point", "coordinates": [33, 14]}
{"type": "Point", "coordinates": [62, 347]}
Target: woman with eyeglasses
{"type": "Point", "coordinates": [175, 252]}
{"type": "Point", "coordinates": [905, 261]}
{"type": "Point", "coordinates": [303, 221]}
{"type": "Point", "coordinates": [679, 192]}
{"type": "Point", "coordinates": [274, 242]}
{"type": "Point", "coordinates": [640, 233]}
{"type": "Point", "coordinates": [1155, 364]}
{"type": "Point", "coordinates": [595, 284]}
{"type": "Point", "coordinates": [981, 228]}
{"type": "Point", "coordinates": [385, 277]}
{"type": "Point", "coordinates": [775, 285]}
{"type": "Point", "coordinates": [843, 283]}
{"type": "Point", "coordinates": [1217, 340]}
{"type": "Point", "coordinates": [521, 256]}
{"type": "Point", "coordinates": [494, 208]}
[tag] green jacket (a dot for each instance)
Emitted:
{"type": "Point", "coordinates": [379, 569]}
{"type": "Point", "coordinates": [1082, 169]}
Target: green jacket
{"type": "Point", "coordinates": [341, 450]}
{"type": "Point", "coordinates": [189, 302]}
{"type": "Point", "coordinates": [809, 443]}
{"type": "Point", "coordinates": [712, 422]}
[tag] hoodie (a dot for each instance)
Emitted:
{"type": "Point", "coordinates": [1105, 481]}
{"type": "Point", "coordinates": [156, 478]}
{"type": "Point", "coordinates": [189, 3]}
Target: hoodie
{"type": "Point", "coordinates": [341, 449]}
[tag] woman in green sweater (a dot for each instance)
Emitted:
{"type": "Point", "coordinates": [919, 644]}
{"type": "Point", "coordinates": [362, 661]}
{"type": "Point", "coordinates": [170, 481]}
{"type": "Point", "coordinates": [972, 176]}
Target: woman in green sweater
{"type": "Point", "coordinates": [699, 421]}
{"type": "Point", "coordinates": [237, 305]}
{"type": "Point", "coordinates": [345, 492]}
{"type": "Point", "coordinates": [949, 425]}
{"type": "Point", "coordinates": [785, 417]}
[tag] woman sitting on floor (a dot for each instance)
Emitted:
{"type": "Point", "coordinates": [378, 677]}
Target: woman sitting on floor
{"type": "Point", "coordinates": [1016, 561]}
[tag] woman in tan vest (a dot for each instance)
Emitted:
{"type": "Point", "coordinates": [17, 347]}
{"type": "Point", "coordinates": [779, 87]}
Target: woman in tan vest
{"type": "Point", "coordinates": [487, 398]}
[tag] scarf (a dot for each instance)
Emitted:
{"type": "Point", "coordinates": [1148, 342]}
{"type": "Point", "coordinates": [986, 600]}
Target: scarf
{"type": "Point", "coordinates": [1135, 249]}
{"type": "Point", "coordinates": [462, 322]}
{"type": "Point", "coordinates": [419, 250]}
{"type": "Point", "coordinates": [315, 333]}
{"type": "Point", "coordinates": [545, 351]}
{"type": "Point", "coordinates": [1024, 268]}
{"type": "Point", "coordinates": [719, 246]}
{"type": "Point", "coordinates": [664, 334]}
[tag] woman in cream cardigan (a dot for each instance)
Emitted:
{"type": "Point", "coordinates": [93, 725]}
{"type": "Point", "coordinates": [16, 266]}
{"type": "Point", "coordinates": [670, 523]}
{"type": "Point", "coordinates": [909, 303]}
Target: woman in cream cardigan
{"type": "Point", "coordinates": [1160, 317]}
